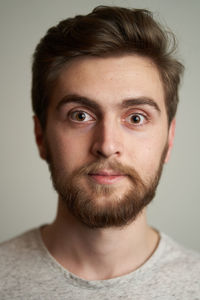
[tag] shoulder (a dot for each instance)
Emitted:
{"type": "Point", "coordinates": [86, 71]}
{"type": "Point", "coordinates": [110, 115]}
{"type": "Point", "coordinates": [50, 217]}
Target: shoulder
{"type": "Point", "coordinates": [179, 267]}
{"type": "Point", "coordinates": [175, 252]}
{"type": "Point", "coordinates": [22, 244]}
{"type": "Point", "coordinates": [18, 257]}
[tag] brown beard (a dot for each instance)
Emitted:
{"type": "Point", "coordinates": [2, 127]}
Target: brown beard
{"type": "Point", "coordinates": [114, 212]}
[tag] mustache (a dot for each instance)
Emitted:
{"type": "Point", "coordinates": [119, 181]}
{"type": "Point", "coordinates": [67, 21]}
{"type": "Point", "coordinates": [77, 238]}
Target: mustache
{"type": "Point", "coordinates": [114, 166]}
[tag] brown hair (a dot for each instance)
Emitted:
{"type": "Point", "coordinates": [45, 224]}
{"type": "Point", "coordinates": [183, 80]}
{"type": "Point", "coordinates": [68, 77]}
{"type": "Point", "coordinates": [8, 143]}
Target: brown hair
{"type": "Point", "coordinates": [106, 31]}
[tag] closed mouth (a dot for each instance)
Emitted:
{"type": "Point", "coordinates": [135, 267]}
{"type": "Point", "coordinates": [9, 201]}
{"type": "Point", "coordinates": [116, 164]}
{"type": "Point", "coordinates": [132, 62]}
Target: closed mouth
{"type": "Point", "coordinates": [106, 176]}
{"type": "Point", "coordinates": [106, 173]}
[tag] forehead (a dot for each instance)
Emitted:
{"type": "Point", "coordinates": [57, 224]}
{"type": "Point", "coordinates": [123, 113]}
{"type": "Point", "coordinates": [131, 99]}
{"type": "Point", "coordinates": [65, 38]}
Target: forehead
{"type": "Point", "coordinates": [110, 80]}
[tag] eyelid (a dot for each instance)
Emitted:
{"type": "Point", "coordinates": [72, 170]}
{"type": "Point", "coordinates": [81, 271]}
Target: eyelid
{"type": "Point", "coordinates": [82, 109]}
{"type": "Point", "coordinates": [132, 125]}
{"type": "Point", "coordinates": [137, 114]}
{"type": "Point", "coordinates": [78, 110]}
{"type": "Point", "coordinates": [136, 110]}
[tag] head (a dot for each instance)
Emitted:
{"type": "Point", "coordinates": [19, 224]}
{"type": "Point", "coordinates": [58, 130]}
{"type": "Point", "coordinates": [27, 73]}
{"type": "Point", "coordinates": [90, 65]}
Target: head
{"type": "Point", "coordinates": [80, 67]}
{"type": "Point", "coordinates": [106, 31]}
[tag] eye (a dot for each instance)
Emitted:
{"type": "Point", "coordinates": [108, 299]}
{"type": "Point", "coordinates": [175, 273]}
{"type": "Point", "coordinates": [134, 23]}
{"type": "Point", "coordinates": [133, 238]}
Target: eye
{"type": "Point", "coordinates": [136, 119]}
{"type": "Point", "coordinates": [80, 116]}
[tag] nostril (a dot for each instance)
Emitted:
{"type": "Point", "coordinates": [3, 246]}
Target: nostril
{"type": "Point", "coordinates": [99, 153]}
{"type": "Point", "coordinates": [107, 142]}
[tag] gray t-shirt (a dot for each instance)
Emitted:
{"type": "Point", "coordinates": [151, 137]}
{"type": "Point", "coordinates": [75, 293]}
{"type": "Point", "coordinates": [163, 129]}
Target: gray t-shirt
{"type": "Point", "coordinates": [28, 271]}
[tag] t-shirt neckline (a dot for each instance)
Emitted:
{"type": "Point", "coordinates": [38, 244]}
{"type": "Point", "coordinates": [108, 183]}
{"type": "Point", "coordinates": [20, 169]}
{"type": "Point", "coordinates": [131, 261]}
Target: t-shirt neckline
{"type": "Point", "coordinates": [141, 273]}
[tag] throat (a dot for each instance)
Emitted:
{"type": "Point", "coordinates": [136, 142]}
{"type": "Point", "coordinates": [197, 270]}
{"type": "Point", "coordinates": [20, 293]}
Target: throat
{"type": "Point", "coordinates": [98, 254]}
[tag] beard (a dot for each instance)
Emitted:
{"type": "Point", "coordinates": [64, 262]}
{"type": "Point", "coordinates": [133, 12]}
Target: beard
{"type": "Point", "coordinates": [101, 206]}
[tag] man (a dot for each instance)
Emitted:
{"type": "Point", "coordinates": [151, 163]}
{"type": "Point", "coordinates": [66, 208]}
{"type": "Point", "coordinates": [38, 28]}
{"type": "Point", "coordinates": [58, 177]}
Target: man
{"type": "Point", "coordinates": [104, 94]}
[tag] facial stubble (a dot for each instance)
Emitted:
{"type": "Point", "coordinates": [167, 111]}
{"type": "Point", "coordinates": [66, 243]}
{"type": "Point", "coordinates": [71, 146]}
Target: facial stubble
{"type": "Point", "coordinates": [98, 205]}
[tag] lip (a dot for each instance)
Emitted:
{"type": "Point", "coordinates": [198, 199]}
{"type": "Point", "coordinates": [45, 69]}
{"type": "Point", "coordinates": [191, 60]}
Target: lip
{"type": "Point", "coordinates": [106, 176]}
{"type": "Point", "coordinates": [107, 172]}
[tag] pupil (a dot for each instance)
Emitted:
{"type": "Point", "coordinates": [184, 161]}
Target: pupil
{"type": "Point", "coordinates": [80, 116]}
{"type": "Point", "coordinates": [136, 119]}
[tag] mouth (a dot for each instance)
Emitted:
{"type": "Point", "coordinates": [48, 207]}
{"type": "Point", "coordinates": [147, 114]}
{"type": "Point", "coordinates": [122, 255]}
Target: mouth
{"type": "Point", "coordinates": [106, 176]}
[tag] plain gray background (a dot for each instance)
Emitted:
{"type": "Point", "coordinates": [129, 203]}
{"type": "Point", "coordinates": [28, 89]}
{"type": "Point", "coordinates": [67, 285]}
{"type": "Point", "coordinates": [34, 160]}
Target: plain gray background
{"type": "Point", "coordinates": [27, 198]}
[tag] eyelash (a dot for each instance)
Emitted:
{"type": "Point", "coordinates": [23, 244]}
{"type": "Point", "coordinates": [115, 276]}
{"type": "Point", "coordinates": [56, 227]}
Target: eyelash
{"type": "Point", "coordinates": [72, 116]}
{"type": "Point", "coordinates": [72, 113]}
{"type": "Point", "coordinates": [136, 114]}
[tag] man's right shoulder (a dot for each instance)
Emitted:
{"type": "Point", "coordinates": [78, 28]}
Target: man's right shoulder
{"type": "Point", "coordinates": [18, 252]}
{"type": "Point", "coordinates": [14, 247]}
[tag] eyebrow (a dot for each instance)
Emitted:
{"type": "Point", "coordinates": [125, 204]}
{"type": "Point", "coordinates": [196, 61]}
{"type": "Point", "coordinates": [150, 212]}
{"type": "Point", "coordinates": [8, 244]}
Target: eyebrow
{"type": "Point", "coordinates": [74, 98]}
{"type": "Point", "coordinates": [79, 100]}
{"type": "Point", "coordinates": [140, 101]}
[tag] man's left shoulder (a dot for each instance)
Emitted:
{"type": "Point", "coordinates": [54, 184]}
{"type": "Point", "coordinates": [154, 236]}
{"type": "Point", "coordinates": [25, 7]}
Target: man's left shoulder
{"type": "Point", "coordinates": [177, 270]}
{"type": "Point", "coordinates": [180, 258]}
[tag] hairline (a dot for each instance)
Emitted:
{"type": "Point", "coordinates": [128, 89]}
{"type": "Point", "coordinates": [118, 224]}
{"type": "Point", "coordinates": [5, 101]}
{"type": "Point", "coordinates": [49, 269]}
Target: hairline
{"type": "Point", "coordinates": [54, 75]}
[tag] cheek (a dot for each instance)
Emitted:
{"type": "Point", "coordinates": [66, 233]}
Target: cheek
{"type": "Point", "coordinates": [145, 153]}
{"type": "Point", "coordinates": [68, 150]}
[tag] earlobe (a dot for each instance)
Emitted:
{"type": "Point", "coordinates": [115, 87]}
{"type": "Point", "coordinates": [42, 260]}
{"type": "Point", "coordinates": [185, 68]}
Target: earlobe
{"type": "Point", "coordinates": [171, 135]}
{"type": "Point", "coordinates": [39, 137]}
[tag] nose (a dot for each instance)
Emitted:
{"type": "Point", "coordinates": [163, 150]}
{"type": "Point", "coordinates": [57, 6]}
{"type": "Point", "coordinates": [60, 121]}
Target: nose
{"type": "Point", "coordinates": [107, 140]}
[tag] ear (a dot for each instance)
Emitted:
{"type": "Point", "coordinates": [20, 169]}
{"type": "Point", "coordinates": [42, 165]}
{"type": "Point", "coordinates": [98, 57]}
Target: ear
{"type": "Point", "coordinates": [171, 135]}
{"type": "Point", "coordinates": [39, 137]}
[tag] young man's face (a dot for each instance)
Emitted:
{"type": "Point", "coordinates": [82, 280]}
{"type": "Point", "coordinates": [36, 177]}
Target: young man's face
{"type": "Point", "coordinates": [106, 137]}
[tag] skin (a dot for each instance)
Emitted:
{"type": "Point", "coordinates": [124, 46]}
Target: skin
{"type": "Point", "coordinates": [108, 132]}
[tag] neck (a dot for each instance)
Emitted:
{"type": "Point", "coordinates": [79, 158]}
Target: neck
{"type": "Point", "coordinates": [97, 254]}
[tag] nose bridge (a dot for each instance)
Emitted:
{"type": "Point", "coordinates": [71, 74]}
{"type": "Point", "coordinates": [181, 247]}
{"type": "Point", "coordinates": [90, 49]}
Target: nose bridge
{"type": "Point", "coordinates": [108, 139]}
{"type": "Point", "coordinates": [109, 128]}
